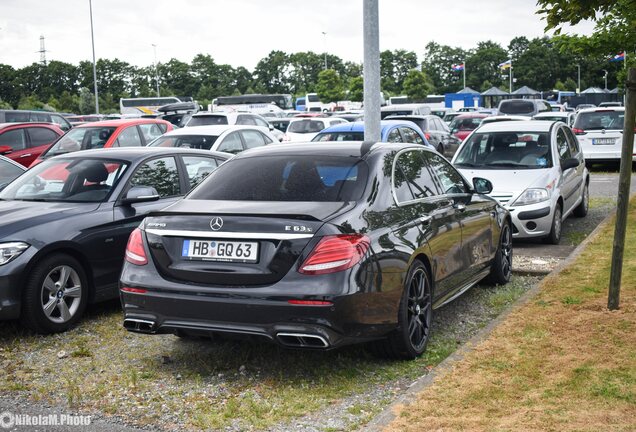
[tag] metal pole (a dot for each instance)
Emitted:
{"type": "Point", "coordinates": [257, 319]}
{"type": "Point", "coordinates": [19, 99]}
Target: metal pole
{"type": "Point", "coordinates": [464, 63]}
{"type": "Point", "coordinates": [325, 43]}
{"type": "Point", "coordinates": [510, 75]}
{"type": "Point", "coordinates": [578, 85]}
{"type": "Point", "coordinates": [605, 77]}
{"type": "Point", "coordinates": [90, 7]}
{"type": "Point", "coordinates": [624, 181]}
{"type": "Point", "coordinates": [156, 73]}
{"type": "Point", "coordinates": [371, 39]}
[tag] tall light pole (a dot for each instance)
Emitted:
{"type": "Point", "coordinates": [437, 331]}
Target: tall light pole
{"type": "Point", "coordinates": [156, 73]}
{"type": "Point", "coordinates": [90, 7]}
{"type": "Point", "coordinates": [605, 77]}
{"type": "Point", "coordinates": [325, 40]}
{"type": "Point", "coordinates": [371, 71]}
{"type": "Point", "coordinates": [578, 85]}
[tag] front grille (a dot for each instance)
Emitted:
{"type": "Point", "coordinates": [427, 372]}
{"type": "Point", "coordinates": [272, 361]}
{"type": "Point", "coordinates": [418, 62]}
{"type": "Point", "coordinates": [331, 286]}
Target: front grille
{"type": "Point", "coordinates": [502, 197]}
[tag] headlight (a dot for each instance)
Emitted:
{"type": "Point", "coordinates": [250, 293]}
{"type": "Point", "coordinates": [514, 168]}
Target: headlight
{"type": "Point", "coordinates": [532, 196]}
{"type": "Point", "coordinates": [8, 251]}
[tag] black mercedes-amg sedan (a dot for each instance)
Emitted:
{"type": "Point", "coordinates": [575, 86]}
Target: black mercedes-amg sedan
{"type": "Point", "coordinates": [317, 246]}
{"type": "Point", "coordinates": [64, 226]}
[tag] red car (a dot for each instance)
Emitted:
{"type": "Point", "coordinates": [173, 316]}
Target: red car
{"type": "Point", "coordinates": [24, 142]}
{"type": "Point", "coordinates": [108, 133]}
{"type": "Point", "coordinates": [464, 124]}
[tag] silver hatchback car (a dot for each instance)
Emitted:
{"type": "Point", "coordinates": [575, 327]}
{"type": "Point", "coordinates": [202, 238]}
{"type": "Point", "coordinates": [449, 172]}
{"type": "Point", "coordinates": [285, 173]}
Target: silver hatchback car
{"type": "Point", "coordinates": [537, 170]}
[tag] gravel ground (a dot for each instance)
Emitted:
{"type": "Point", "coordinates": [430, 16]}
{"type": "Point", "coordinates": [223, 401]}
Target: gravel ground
{"type": "Point", "coordinates": [124, 380]}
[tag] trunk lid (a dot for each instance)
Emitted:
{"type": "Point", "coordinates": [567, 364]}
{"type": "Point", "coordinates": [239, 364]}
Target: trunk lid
{"type": "Point", "coordinates": [275, 238]}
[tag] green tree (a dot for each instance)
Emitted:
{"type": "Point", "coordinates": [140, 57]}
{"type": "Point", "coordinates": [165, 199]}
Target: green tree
{"type": "Point", "coordinates": [329, 87]}
{"type": "Point", "coordinates": [483, 64]}
{"type": "Point", "coordinates": [438, 60]}
{"type": "Point", "coordinates": [272, 72]}
{"type": "Point", "coordinates": [86, 101]}
{"type": "Point", "coordinates": [31, 102]}
{"type": "Point", "coordinates": [485, 86]}
{"type": "Point", "coordinates": [417, 85]}
{"type": "Point", "coordinates": [356, 89]}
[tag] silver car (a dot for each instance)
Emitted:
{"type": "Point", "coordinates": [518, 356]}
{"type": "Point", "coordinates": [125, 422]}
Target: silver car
{"type": "Point", "coordinates": [600, 132]}
{"type": "Point", "coordinates": [537, 170]}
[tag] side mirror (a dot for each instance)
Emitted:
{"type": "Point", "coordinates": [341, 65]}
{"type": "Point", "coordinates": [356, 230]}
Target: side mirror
{"type": "Point", "coordinates": [138, 194]}
{"type": "Point", "coordinates": [5, 149]}
{"type": "Point", "coordinates": [569, 163]}
{"type": "Point", "coordinates": [482, 185]}
{"type": "Point", "coordinates": [271, 128]}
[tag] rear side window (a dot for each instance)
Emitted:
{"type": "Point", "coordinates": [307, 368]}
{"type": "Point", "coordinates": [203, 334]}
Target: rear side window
{"type": "Point", "coordinates": [410, 136]}
{"type": "Point", "coordinates": [150, 131]}
{"type": "Point", "coordinates": [516, 107]}
{"type": "Point", "coordinates": [198, 168]}
{"type": "Point", "coordinates": [61, 122]}
{"type": "Point", "coordinates": [16, 117]}
{"type": "Point", "coordinates": [129, 137]}
{"type": "Point", "coordinates": [412, 179]}
{"type": "Point", "coordinates": [599, 120]}
{"type": "Point", "coordinates": [15, 138]}
{"type": "Point", "coordinates": [563, 145]}
{"type": "Point", "coordinates": [449, 179]}
{"type": "Point", "coordinates": [160, 174]}
{"type": "Point", "coordinates": [40, 117]}
{"type": "Point", "coordinates": [286, 178]}
{"type": "Point", "coordinates": [394, 136]}
{"type": "Point", "coordinates": [41, 136]}
{"type": "Point", "coordinates": [253, 139]}
{"type": "Point", "coordinates": [231, 144]}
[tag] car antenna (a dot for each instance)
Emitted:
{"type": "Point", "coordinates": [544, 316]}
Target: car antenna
{"type": "Point", "coordinates": [366, 147]}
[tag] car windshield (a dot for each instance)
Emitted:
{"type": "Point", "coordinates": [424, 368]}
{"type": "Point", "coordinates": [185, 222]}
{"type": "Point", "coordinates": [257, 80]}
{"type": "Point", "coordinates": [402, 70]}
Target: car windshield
{"type": "Point", "coordinates": [306, 126]}
{"type": "Point", "coordinates": [465, 124]}
{"type": "Point", "coordinates": [207, 120]}
{"type": "Point", "coordinates": [339, 136]}
{"type": "Point", "coordinates": [506, 150]}
{"type": "Point", "coordinates": [598, 120]}
{"type": "Point", "coordinates": [516, 107]}
{"type": "Point", "coordinates": [202, 142]}
{"type": "Point", "coordinates": [286, 178]}
{"type": "Point", "coordinates": [81, 139]}
{"type": "Point", "coordinates": [67, 180]}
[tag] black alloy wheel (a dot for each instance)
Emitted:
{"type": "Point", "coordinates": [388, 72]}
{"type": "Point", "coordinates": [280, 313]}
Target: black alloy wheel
{"type": "Point", "coordinates": [501, 268]}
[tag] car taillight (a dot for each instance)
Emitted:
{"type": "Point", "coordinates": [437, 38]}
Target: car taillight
{"type": "Point", "coordinates": [310, 302]}
{"type": "Point", "coordinates": [135, 251]}
{"type": "Point", "coordinates": [427, 135]}
{"type": "Point", "coordinates": [134, 290]}
{"type": "Point", "coordinates": [335, 253]}
{"type": "Point", "coordinates": [578, 131]}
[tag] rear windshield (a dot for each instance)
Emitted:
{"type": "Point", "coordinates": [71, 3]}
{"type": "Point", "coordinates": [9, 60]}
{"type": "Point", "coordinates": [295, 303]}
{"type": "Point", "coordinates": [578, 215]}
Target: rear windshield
{"type": "Point", "coordinates": [516, 107]}
{"type": "Point", "coordinates": [81, 139]}
{"type": "Point", "coordinates": [505, 150]}
{"type": "Point", "coordinates": [313, 98]}
{"type": "Point", "coordinates": [201, 142]}
{"type": "Point", "coordinates": [340, 136]}
{"type": "Point", "coordinates": [405, 112]}
{"type": "Point", "coordinates": [306, 126]}
{"type": "Point", "coordinates": [207, 120]}
{"type": "Point", "coordinates": [465, 124]}
{"type": "Point", "coordinates": [285, 178]}
{"type": "Point", "coordinates": [600, 120]}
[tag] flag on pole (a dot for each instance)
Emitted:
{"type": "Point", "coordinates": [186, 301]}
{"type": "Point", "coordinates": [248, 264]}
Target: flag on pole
{"type": "Point", "coordinates": [506, 64]}
{"type": "Point", "coordinates": [618, 57]}
{"type": "Point", "coordinates": [457, 67]}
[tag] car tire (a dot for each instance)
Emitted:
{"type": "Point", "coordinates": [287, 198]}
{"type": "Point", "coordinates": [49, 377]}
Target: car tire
{"type": "Point", "coordinates": [583, 207]}
{"type": "Point", "coordinates": [55, 295]}
{"type": "Point", "coordinates": [557, 223]}
{"type": "Point", "coordinates": [501, 267]}
{"type": "Point", "coordinates": [408, 341]}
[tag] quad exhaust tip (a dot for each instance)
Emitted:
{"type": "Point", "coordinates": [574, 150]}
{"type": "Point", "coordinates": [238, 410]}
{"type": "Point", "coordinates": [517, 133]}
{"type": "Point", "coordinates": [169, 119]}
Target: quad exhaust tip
{"type": "Point", "coordinates": [302, 340]}
{"type": "Point", "coordinates": [139, 325]}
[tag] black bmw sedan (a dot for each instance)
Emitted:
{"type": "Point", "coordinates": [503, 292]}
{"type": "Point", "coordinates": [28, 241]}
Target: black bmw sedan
{"type": "Point", "coordinates": [64, 226]}
{"type": "Point", "coordinates": [317, 247]}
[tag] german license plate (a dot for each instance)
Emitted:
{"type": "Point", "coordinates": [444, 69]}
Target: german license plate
{"type": "Point", "coordinates": [603, 141]}
{"type": "Point", "coordinates": [214, 250]}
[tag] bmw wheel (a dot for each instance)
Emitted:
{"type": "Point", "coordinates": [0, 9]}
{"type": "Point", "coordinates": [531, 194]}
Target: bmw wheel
{"type": "Point", "coordinates": [55, 295]}
{"type": "Point", "coordinates": [409, 340]}
{"type": "Point", "coordinates": [501, 268]}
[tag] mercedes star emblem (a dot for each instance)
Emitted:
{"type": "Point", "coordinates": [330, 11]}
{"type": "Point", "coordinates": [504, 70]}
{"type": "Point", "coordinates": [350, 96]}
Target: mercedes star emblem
{"type": "Point", "coordinates": [216, 223]}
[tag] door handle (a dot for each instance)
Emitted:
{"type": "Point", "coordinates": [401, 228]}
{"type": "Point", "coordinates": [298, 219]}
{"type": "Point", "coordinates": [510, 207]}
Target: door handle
{"type": "Point", "coordinates": [25, 155]}
{"type": "Point", "coordinates": [460, 207]}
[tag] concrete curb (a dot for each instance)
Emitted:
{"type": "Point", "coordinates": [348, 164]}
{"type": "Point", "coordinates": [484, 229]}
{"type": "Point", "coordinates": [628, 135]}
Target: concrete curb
{"type": "Point", "coordinates": [387, 415]}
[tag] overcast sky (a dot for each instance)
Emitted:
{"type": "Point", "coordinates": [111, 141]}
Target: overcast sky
{"type": "Point", "coordinates": [241, 32]}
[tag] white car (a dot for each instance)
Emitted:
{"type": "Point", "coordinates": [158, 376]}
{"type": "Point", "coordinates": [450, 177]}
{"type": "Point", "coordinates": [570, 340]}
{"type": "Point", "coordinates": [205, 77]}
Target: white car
{"type": "Point", "coordinates": [537, 170]}
{"type": "Point", "coordinates": [306, 128]}
{"type": "Point", "coordinates": [232, 118]}
{"type": "Point", "coordinates": [563, 116]}
{"type": "Point", "coordinates": [222, 138]}
{"type": "Point", "coordinates": [600, 132]}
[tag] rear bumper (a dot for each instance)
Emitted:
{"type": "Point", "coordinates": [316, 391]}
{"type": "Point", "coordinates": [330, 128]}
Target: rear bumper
{"type": "Point", "coordinates": [262, 312]}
